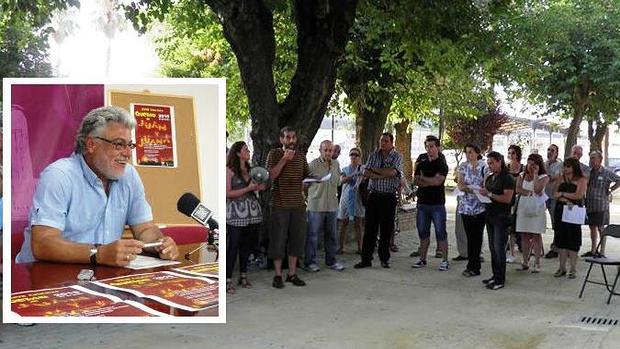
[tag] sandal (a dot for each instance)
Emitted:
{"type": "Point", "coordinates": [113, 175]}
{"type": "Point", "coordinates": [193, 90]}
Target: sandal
{"type": "Point", "coordinates": [559, 273]}
{"type": "Point", "coordinates": [524, 267]}
{"type": "Point", "coordinates": [230, 289]}
{"type": "Point", "coordinates": [244, 282]}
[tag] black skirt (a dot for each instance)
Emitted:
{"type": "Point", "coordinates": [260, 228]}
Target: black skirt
{"type": "Point", "coordinates": [567, 235]}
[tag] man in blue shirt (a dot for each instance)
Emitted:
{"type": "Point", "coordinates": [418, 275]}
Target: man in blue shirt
{"type": "Point", "coordinates": [82, 202]}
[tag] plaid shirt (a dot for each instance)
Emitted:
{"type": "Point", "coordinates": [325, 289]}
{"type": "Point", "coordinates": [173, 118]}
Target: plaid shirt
{"type": "Point", "coordinates": [392, 160]}
{"type": "Point", "coordinates": [597, 195]}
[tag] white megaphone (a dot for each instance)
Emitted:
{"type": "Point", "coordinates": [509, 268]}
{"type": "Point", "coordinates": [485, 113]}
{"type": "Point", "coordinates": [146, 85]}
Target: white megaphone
{"type": "Point", "coordinates": [259, 174]}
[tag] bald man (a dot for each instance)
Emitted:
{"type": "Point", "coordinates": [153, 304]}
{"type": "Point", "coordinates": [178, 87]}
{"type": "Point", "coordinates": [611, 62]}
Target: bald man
{"type": "Point", "coordinates": [322, 209]}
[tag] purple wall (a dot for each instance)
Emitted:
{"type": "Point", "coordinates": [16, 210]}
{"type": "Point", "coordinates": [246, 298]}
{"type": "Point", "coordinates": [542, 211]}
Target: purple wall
{"type": "Point", "coordinates": [44, 121]}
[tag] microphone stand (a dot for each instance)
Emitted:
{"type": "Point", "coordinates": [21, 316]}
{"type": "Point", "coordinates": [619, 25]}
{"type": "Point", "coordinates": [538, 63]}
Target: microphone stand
{"type": "Point", "coordinates": [211, 240]}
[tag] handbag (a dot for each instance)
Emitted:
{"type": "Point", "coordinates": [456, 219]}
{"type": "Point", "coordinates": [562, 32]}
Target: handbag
{"type": "Point", "coordinates": [533, 205]}
{"type": "Point", "coordinates": [574, 214]}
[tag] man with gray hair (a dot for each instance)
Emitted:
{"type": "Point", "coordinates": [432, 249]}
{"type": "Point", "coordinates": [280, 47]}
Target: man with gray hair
{"type": "Point", "coordinates": [82, 202]}
{"type": "Point", "coordinates": [322, 208]}
{"type": "Point", "coordinates": [597, 200]}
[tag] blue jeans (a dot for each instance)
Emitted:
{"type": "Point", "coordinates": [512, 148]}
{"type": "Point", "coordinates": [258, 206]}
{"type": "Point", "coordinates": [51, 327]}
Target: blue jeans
{"type": "Point", "coordinates": [435, 214]}
{"type": "Point", "coordinates": [317, 222]}
{"type": "Point", "coordinates": [497, 228]}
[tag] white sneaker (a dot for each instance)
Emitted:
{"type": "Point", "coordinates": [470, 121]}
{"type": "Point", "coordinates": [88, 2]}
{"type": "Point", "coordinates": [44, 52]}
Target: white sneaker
{"type": "Point", "coordinates": [444, 266]}
{"type": "Point", "coordinates": [510, 259]}
{"type": "Point", "coordinates": [313, 268]}
{"type": "Point", "coordinates": [336, 266]}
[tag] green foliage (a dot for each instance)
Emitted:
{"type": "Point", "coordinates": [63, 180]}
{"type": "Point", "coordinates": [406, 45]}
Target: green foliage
{"type": "Point", "coordinates": [24, 30]}
{"type": "Point", "coordinates": [423, 54]}
{"type": "Point", "coordinates": [564, 53]}
{"type": "Point", "coordinates": [191, 43]}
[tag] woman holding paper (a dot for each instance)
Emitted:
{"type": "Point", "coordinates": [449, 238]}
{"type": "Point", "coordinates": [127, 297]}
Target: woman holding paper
{"type": "Point", "coordinates": [472, 210]}
{"type": "Point", "coordinates": [531, 216]}
{"type": "Point", "coordinates": [243, 213]}
{"type": "Point", "coordinates": [569, 193]}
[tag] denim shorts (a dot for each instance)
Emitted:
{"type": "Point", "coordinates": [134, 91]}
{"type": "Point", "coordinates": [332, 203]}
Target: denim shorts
{"type": "Point", "coordinates": [435, 214]}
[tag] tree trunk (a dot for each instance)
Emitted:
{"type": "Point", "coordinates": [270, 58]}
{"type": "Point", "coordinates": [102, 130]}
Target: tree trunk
{"type": "Point", "coordinates": [581, 99]}
{"type": "Point", "coordinates": [403, 146]}
{"type": "Point", "coordinates": [322, 33]}
{"type": "Point", "coordinates": [596, 132]}
{"type": "Point", "coordinates": [606, 147]}
{"type": "Point", "coordinates": [369, 124]}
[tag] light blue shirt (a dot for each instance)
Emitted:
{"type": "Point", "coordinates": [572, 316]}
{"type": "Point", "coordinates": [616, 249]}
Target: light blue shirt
{"type": "Point", "coordinates": [71, 198]}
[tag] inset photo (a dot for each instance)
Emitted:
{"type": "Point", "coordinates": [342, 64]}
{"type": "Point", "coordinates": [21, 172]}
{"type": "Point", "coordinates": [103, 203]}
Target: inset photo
{"type": "Point", "coordinates": [112, 199]}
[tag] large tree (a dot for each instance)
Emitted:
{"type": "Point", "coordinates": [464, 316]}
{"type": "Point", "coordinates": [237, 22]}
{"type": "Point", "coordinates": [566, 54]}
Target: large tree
{"type": "Point", "coordinates": [24, 31]}
{"type": "Point", "coordinates": [563, 53]}
{"type": "Point", "coordinates": [409, 59]}
{"type": "Point", "coordinates": [322, 28]}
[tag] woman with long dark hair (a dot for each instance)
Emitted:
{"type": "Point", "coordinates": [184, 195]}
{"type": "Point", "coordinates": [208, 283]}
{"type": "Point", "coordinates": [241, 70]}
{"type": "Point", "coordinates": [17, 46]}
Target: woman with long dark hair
{"type": "Point", "coordinates": [473, 212]}
{"type": "Point", "coordinates": [531, 224]}
{"type": "Point", "coordinates": [571, 191]}
{"type": "Point", "coordinates": [499, 188]}
{"type": "Point", "coordinates": [243, 213]}
{"type": "Point", "coordinates": [515, 168]}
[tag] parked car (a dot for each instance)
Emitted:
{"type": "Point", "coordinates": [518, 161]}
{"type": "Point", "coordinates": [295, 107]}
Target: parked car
{"type": "Point", "coordinates": [614, 165]}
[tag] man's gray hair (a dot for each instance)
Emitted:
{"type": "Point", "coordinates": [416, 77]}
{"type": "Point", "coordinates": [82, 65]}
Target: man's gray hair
{"type": "Point", "coordinates": [597, 153]}
{"type": "Point", "coordinates": [97, 119]}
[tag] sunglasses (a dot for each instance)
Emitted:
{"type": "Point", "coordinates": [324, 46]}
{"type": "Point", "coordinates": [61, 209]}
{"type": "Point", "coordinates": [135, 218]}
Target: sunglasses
{"type": "Point", "coordinates": [354, 154]}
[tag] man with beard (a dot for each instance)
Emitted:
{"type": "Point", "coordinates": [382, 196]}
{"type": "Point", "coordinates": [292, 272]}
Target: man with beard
{"type": "Point", "coordinates": [82, 202]}
{"type": "Point", "coordinates": [287, 169]}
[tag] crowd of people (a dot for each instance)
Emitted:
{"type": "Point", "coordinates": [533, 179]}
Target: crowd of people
{"type": "Point", "coordinates": [507, 197]}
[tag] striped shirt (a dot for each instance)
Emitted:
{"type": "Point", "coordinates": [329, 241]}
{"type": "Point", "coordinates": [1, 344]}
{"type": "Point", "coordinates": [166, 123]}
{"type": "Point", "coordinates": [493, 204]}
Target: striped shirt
{"type": "Point", "coordinates": [392, 160]}
{"type": "Point", "coordinates": [287, 191]}
{"type": "Point", "coordinates": [597, 194]}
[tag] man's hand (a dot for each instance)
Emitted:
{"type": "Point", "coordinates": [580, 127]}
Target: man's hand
{"type": "Point", "coordinates": [119, 253]}
{"type": "Point", "coordinates": [168, 249]}
{"type": "Point", "coordinates": [288, 155]}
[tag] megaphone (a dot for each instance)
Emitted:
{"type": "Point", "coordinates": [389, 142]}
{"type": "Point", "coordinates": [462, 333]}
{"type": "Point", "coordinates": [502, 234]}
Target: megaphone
{"type": "Point", "coordinates": [259, 174]}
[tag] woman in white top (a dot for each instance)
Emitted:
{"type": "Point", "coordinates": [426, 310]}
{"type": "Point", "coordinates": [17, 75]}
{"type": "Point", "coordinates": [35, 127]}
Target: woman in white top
{"type": "Point", "coordinates": [531, 216]}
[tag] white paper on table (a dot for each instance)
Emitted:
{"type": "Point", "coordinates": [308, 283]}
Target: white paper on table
{"type": "Point", "coordinates": [318, 180]}
{"type": "Point", "coordinates": [145, 262]}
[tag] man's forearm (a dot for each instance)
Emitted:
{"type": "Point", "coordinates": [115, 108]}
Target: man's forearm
{"type": "Point", "coordinates": [275, 171]}
{"type": "Point", "coordinates": [386, 172]}
{"type": "Point", "coordinates": [57, 249]}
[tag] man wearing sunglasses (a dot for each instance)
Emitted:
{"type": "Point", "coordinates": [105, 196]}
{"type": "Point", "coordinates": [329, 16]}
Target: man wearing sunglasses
{"type": "Point", "coordinates": [82, 203]}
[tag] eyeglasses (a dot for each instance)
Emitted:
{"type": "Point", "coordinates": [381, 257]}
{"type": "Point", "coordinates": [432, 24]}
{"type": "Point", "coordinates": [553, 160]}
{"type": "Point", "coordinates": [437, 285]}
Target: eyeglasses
{"type": "Point", "coordinates": [118, 144]}
{"type": "Point", "coordinates": [354, 154]}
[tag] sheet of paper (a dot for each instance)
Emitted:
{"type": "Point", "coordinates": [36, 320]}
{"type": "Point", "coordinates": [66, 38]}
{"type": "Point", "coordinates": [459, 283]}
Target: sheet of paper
{"type": "Point", "coordinates": [75, 301]}
{"type": "Point", "coordinates": [325, 178]}
{"type": "Point", "coordinates": [145, 262]}
{"type": "Point", "coordinates": [482, 198]}
{"type": "Point", "coordinates": [185, 292]}
{"type": "Point", "coordinates": [205, 269]}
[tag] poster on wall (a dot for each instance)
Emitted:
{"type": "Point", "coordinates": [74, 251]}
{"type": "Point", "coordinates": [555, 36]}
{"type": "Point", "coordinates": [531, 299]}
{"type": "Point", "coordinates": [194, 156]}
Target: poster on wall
{"type": "Point", "coordinates": [154, 135]}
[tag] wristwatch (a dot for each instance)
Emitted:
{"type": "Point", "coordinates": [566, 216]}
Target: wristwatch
{"type": "Point", "coordinates": [93, 254]}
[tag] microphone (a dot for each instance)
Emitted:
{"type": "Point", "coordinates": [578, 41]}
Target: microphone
{"type": "Point", "coordinates": [191, 206]}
